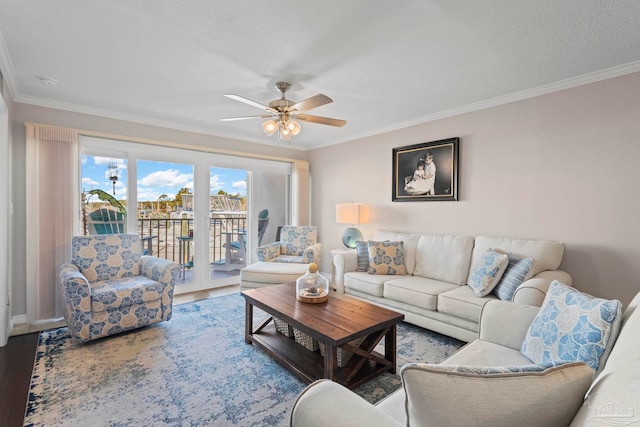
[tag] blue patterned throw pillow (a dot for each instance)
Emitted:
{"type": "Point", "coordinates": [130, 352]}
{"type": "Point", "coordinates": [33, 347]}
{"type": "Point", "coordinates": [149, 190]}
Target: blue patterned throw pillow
{"type": "Point", "coordinates": [572, 326]}
{"type": "Point", "coordinates": [513, 276]}
{"type": "Point", "coordinates": [363, 256]}
{"type": "Point", "coordinates": [487, 272]}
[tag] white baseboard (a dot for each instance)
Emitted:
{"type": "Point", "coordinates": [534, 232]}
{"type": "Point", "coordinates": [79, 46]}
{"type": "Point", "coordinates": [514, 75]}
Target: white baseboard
{"type": "Point", "coordinates": [21, 326]}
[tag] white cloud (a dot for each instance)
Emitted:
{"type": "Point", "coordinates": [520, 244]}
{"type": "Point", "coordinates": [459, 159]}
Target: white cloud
{"type": "Point", "coordinates": [215, 184]}
{"type": "Point", "coordinates": [148, 194]}
{"type": "Point", "coordinates": [240, 184]}
{"type": "Point", "coordinates": [90, 182]}
{"type": "Point", "coordinates": [167, 178]}
{"type": "Point", "coordinates": [122, 163]}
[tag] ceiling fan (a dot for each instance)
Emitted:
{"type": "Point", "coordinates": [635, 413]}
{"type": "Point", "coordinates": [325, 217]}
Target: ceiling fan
{"type": "Point", "coordinates": [283, 113]}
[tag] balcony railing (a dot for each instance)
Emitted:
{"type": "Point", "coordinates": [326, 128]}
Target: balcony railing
{"type": "Point", "coordinates": [165, 244]}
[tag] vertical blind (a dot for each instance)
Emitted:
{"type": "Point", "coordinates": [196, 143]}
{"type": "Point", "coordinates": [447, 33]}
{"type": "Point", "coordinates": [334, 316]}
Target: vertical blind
{"type": "Point", "coordinates": [52, 208]}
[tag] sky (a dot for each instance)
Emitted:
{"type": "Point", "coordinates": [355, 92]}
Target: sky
{"type": "Point", "coordinates": [157, 178]}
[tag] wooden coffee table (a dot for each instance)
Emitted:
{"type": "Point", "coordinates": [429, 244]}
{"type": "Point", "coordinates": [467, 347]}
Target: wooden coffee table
{"type": "Point", "coordinates": [334, 323]}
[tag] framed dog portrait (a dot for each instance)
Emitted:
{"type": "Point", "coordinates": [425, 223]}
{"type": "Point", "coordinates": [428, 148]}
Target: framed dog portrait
{"type": "Point", "coordinates": [426, 171]}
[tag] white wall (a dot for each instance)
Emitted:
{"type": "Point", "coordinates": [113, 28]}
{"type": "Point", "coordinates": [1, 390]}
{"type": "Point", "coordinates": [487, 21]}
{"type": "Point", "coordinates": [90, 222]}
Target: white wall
{"type": "Point", "coordinates": [564, 166]}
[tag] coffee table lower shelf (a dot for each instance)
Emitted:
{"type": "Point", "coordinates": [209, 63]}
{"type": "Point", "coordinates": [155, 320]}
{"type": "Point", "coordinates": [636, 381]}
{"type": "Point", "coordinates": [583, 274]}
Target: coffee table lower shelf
{"type": "Point", "coordinates": [309, 365]}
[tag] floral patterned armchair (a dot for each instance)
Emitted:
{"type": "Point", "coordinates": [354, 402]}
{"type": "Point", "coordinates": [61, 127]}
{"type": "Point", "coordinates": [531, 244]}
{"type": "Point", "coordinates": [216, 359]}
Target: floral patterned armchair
{"type": "Point", "coordinates": [109, 287]}
{"type": "Point", "coordinates": [298, 244]}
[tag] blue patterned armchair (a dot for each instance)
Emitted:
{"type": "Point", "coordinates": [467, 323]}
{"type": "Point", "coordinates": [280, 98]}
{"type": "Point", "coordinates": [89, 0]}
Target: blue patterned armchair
{"type": "Point", "coordinates": [298, 244]}
{"type": "Point", "coordinates": [109, 287]}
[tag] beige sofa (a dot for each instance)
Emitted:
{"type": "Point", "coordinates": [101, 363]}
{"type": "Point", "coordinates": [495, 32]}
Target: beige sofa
{"type": "Point", "coordinates": [561, 396]}
{"type": "Point", "coordinates": [433, 294]}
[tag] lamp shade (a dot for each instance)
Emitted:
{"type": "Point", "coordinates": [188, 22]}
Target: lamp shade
{"type": "Point", "coordinates": [352, 213]}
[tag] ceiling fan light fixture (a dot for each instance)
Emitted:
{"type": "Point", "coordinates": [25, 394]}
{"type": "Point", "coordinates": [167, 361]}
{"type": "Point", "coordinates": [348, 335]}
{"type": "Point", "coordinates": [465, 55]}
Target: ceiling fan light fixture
{"type": "Point", "coordinates": [269, 127]}
{"type": "Point", "coordinates": [283, 132]}
{"type": "Point", "coordinates": [293, 127]}
{"type": "Point", "coordinates": [280, 113]}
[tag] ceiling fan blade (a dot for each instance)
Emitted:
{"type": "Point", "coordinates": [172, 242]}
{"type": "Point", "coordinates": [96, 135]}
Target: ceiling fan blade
{"type": "Point", "coordinates": [231, 119]}
{"type": "Point", "coordinates": [321, 120]}
{"type": "Point", "coordinates": [313, 102]}
{"type": "Point", "coordinates": [250, 102]}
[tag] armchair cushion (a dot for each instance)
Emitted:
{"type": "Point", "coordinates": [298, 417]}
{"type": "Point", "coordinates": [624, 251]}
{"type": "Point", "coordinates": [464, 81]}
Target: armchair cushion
{"type": "Point", "coordinates": [126, 291]}
{"type": "Point", "coordinates": [295, 239]}
{"type": "Point", "coordinates": [494, 396]}
{"type": "Point", "coordinates": [106, 257]}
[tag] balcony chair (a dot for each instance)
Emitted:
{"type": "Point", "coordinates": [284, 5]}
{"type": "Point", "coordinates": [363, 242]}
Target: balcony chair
{"type": "Point", "coordinates": [283, 261]}
{"type": "Point", "coordinates": [105, 221]}
{"type": "Point", "coordinates": [109, 287]}
{"type": "Point", "coordinates": [238, 247]}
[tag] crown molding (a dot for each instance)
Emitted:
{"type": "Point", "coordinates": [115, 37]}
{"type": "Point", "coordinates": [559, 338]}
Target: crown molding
{"type": "Point", "coordinates": [110, 114]}
{"type": "Point", "coordinates": [609, 73]}
{"type": "Point", "coordinates": [6, 66]}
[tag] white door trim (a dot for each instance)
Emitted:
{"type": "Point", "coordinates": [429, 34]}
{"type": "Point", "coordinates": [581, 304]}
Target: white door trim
{"type": "Point", "coordinates": [5, 223]}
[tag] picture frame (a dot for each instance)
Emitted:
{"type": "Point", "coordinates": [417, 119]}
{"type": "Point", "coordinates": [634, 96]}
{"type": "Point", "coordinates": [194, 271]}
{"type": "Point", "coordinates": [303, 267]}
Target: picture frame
{"type": "Point", "coordinates": [413, 180]}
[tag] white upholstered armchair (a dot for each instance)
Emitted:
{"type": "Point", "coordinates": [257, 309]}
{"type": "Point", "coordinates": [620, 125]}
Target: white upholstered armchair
{"type": "Point", "coordinates": [109, 287]}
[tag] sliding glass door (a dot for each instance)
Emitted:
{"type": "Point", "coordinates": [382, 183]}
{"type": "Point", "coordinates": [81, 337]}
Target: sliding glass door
{"type": "Point", "coordinates": [206, 212]}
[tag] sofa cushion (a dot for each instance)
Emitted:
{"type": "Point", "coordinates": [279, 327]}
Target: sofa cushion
{"type": "Point", "coordinates": [409, 243]}
{"type": "Point", "coordinates": [487, 272]}
{"type": "Point", "coordinates": [370, 284]}
{"type": "Point", "coordinates": [463, 302]}
{"type": "Point", "coordinates": [444, 395]}
{"type": "Point", "coordinates": [444, 257]}
{"type": "Point", "coordinates": [572, 326]}
{"type": "Point", "coordinates": [124, 292]}
{"type": "Point", "coordinates": [546, 254]}
{"type": "Point", "coordinates": [417, 291]}
{"type": "Point", "coordinates": [486, 353]}
{"type": "Point", "coordinates": [517, 271]}
{"type": "Point", "coordinates": [386, 258]}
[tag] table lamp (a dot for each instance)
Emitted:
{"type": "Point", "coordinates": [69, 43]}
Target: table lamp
{"type": "Point", "coordinates": [353, 214]}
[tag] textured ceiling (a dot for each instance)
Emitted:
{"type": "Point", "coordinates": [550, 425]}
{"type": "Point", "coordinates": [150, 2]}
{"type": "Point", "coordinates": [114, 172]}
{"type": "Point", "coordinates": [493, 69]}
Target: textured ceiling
{"type": "Point", "coordinates": [385, 64]}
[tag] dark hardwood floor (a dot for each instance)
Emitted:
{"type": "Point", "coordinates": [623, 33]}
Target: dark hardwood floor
{"type": "Point", "coordinates": [16, 365]}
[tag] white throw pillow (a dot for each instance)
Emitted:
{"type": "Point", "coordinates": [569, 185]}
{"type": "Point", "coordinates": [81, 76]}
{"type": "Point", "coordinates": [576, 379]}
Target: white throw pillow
{"type": "Point", "coordinates": [445, 395]}
{"type": "Point", "coordinates": [487, 272]}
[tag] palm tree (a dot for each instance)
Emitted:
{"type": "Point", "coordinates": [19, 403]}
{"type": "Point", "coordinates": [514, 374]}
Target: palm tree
{"type": "Point", "coordinates": [106, 197]}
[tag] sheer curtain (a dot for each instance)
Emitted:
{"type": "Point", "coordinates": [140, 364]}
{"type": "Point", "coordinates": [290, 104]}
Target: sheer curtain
{"type": "Point", "coordinates": [53, 207]}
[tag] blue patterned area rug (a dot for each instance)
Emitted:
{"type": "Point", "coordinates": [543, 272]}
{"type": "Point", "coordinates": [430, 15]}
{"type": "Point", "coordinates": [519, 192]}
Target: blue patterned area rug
{"type": "Point", "coordinates": [194, 370]}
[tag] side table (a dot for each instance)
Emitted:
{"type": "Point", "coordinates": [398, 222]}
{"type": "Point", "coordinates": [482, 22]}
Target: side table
{"type": "Point", "coordinates": [335, 252]}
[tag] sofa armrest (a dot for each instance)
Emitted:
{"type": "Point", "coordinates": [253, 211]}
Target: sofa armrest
{"type": "Point", "coordinates": [326, 403]}
{"type": "Point", "coordinates": [268, 252]}
{"type": "Point", "coordinates": [506, 323]}
{"type": "Point", "coordinates": [533, 291]}
{"type": "Point", "coordinates": [343, 263]}
{"type": "Point", "coordinates": [313, 254]}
